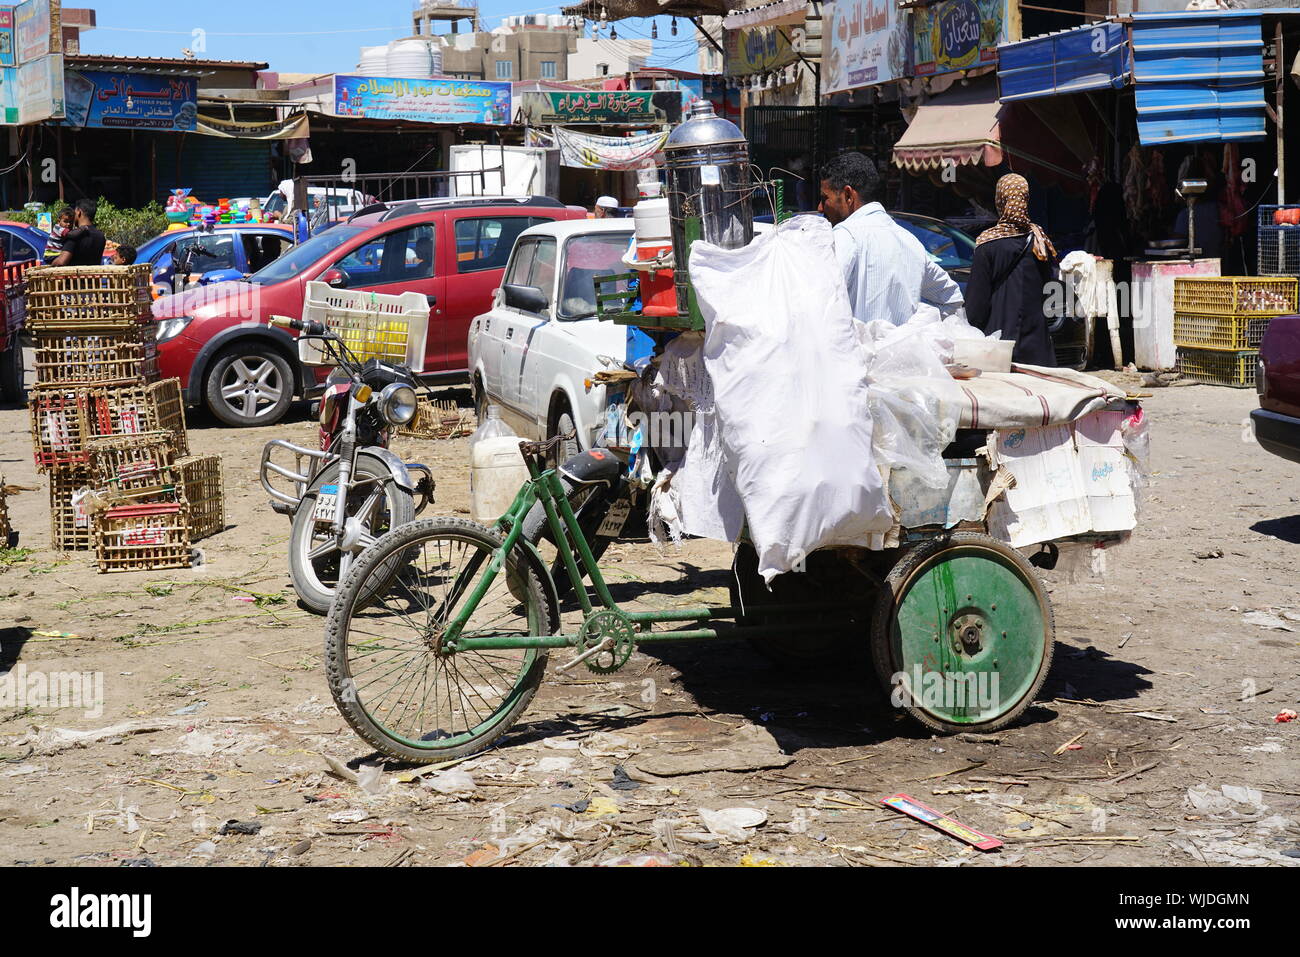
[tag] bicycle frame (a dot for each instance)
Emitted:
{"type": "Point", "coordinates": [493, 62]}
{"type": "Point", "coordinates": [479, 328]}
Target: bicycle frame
{"type": "Point", "coordinates": [545, 487]}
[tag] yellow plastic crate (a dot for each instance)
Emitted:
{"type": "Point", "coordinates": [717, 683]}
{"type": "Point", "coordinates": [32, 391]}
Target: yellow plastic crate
{"type": "Point", "coordinates": [1219, 366]}
{"type": "Point", "coordinates": [1235, 295]}
{"type": "Point", "coordinates": [1231, 333]}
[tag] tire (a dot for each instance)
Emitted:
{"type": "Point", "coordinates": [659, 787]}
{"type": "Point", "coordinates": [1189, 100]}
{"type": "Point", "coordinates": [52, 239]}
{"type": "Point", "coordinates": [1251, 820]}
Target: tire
{"type": "Point", "coordinates": [994, 572]}
{"type": "Point", "coordinates": [503, 681]}
{"type": "Point", "coordinates": [249, 384]}
{"type": "Point", "coordinates": [315, 580]}
{"type": "Point", "coordinates": [480, 401]}
{"type": "Point", "coordinates": [569, 447]}
{"type": "Point", "coordinates": [591, 504]}
{"type": "Point", "coordinates": [11, 373]}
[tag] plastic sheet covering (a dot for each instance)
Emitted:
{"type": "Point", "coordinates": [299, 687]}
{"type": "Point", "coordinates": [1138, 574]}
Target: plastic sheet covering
{"type": "Point", "coordinates": [791, 392]}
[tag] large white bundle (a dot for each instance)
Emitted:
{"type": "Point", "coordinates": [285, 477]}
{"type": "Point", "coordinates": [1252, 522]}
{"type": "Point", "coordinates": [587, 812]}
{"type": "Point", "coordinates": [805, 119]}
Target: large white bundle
{"type": "Point", "coordinates": [790, 391]}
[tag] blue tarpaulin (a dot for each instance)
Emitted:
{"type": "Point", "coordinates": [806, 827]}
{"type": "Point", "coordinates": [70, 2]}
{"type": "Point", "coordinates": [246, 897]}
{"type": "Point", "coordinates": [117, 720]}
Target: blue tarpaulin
{"type": "Point", "coordinates": [1092, 57]}
{"type": "Point", "coordinates": [1199, 76]}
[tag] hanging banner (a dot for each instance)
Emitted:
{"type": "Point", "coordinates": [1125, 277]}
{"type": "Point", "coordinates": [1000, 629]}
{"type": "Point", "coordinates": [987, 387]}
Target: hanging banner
{"type": "Point", "coordinates": [626, 108]}
{"type": "Point", "coordinates": [587, 151]}
{"type": "Point", "coordinates": [870, 41]}
{"type": "Point", "coordinates": [290, 128]}
{"type": "Point", "coordinates": [134, 101]}
{"type": "Point", "coordinates": [756, 50]}
{"type": "Point", "coordinates": [959, 34]}
{"type": "Point", "coordinates": [37, 29]}
{"type": "Point", "coordinates": [7, 37]}
{"type": "Point", "coordinates": [436, 100]}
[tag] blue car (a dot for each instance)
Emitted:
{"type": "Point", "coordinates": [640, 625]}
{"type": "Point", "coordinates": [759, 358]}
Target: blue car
{"type": "Point", "coordinates": [22, 242]}
{"type": "Point", "coordinates": [229, 251]}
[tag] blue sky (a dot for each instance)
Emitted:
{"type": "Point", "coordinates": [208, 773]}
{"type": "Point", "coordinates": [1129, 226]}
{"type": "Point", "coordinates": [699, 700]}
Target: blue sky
{"type": "Point", "coordinates": [305, 36]}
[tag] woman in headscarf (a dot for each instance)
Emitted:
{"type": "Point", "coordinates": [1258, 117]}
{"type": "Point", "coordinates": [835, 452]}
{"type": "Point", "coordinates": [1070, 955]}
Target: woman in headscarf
{"type": "Point", "coordinates": [1010, 277]}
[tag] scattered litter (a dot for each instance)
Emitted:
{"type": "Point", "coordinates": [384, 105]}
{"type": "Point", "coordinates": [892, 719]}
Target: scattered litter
{"type": "Point", "coordinates": [622, 782]}
{"type": "Point", "coordinates": [1152, 715]}
{"type": "Point", "coordinates": [1070, 745]}
{"type": "Point", "coordinates": [749, 860]}
{"type": "Point", "coordinates": [599, 807]}
{"type": "Point", "coordinates": [1266, 619]}
{"type": "Point", "coordinates": [642, 860]}
{"type": "Point", "coordinates": [194, 708]}
{"type": "Point", "coordinates": [1223, 800]}
{"type": "Point", "coordinates": [906, 804]}
{"type": "Point", "coordinates": [606, 744]}
{"type": "Point", "coordinates": [370, 778]}
{"type": "Point", "coordinates": [553, 765]}
{"type": "Point", "coordinates": [1284, 716]}
{"type": "Point", "coordinates": [488, 852]}
{"type": "Point", "coordinates": [733, 823]}
{"type": "Point", "coordinates": [206, 849]}
{"type": "Point", "coordinates": [339, 769]}
{"type": "Point", "coordinates": [972, 738]}
{"type": "Point", "coordinates": [453, 782]}
{"type": "Point", "coordinates": [240, 827]}
{"type": "Point", "coordinates": [1214, 711]}
{"type": "Point", "coordinates": [353, 815]}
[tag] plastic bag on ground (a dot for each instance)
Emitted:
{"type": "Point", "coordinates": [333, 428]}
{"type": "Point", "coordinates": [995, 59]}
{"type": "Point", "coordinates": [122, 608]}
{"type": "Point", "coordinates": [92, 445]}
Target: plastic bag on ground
{"type": "Point", "coordinates": [790, 391]}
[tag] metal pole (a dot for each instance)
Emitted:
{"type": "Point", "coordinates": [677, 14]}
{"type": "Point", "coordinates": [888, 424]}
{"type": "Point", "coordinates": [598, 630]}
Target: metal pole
{"type": "Point", "coordinates": [1278, 85]}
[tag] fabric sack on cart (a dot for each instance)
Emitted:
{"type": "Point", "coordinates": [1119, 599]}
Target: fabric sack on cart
{"type": "Point", "coordinates": [790, 391]}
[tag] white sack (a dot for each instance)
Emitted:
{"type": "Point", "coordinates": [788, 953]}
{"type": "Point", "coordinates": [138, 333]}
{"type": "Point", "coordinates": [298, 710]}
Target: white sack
{"type": "Point", "coordinates": [790, 390]}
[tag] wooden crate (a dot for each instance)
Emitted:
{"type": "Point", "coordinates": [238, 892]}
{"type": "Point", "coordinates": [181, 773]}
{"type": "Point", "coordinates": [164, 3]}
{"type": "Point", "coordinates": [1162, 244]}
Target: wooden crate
{"type": "Point", "coordinates": [95, 356]}
{"type": "Point", "coordinates": [59, 428]}
{"type": "Point", "coordinates": [71, 524]}
{"type": "Point", "coordinates": [131, 410]}
{"type": "Point", "coordinates": [201, 483]}
{"type": "Point", "coordinates": [135, 467]}
{"type": "Point", "coordinates": [142, 537]}
{"type": "Point", "coordinates": [116, 297]}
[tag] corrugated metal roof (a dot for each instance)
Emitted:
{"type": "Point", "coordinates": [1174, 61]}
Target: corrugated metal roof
{"type": "Point", "coordinates": [1199, 76]}
{"type": "Point", "coordinates": [1090, 57]}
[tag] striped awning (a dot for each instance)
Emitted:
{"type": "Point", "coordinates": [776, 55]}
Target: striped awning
{"type": "Point", "coordinates": [960, 127]}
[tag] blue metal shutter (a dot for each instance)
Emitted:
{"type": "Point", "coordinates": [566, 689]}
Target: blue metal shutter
{"type": "Point", "coordinates": [215, 167]}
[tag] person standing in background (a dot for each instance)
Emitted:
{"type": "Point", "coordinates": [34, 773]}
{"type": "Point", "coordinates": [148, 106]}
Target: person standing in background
{"type": "Point", "coordinates": [606, 207]}
{"type": "Point", "coordinates": [84, 245]}
{"type": "Point", "coordinates": [1010, 275]}
{"type": "Point", "coordinates": [886, 269]}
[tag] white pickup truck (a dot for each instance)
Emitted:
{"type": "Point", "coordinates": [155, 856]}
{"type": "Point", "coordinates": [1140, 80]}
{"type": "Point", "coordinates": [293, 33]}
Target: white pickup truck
{"type": "Point", "coordinates": [535, 351]}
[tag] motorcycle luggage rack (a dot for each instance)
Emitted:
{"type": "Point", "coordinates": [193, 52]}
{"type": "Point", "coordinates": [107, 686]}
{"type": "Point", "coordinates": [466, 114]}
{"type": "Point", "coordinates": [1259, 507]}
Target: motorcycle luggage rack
{"type": "Point", "coordinates": [296, 475]}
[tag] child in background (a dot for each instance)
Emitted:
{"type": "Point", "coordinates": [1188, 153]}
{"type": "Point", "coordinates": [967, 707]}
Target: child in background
{"type": "Point", "coordinates": [62, 226]}
{"type": "Point", "coordinates": [124, 255]}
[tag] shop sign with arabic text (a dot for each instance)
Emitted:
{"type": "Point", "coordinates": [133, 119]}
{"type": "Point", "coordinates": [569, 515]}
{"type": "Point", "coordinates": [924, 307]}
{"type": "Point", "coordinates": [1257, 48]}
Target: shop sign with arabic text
{"type": "Point", "coordinates": [959, 35]}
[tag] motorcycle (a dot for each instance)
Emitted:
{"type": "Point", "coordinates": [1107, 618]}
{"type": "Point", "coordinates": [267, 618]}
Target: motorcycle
{"type": "Point", "coordinates": [355, 488]}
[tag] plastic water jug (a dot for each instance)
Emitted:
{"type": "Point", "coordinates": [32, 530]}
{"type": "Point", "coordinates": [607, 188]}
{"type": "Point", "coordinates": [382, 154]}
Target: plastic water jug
{"type": "Point", "coordinates": [497, 470]}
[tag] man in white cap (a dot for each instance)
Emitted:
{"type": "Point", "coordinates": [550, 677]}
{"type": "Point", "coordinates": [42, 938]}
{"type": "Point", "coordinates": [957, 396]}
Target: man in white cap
{"type": "Point", "coordinates": [606, 207]}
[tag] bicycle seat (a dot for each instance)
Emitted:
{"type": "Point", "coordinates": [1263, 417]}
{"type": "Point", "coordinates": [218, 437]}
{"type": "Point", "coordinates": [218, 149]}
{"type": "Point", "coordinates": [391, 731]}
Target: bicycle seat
{"type": "Point", "coordinates": [595, 467]}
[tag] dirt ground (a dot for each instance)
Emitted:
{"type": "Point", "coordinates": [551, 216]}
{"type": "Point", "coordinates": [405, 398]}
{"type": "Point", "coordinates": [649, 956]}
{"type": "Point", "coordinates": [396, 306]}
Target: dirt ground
{"type": "Point", "coordinates": [1168, 674]}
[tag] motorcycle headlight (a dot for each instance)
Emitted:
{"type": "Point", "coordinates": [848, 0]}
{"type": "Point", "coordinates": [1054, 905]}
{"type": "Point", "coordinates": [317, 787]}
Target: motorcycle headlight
{"type": "Point", "coordinates": [173, 327]}
{"type": "Point", "coordinates": [397, 404]}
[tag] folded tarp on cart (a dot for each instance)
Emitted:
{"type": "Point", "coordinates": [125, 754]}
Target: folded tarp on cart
{"type": "Point", "coordinates": [1033, 397]}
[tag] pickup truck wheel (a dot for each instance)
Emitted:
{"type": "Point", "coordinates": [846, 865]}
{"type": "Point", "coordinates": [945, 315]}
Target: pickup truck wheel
{"type": "Point", "coordinates": [249, 384]}
{"type": "Point", "coordinates": [569, 447]}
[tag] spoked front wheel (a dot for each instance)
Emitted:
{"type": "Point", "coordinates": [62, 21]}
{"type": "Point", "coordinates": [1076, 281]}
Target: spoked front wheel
{"type": "Point", "coordinates": [391, 673]}
{"type": "Point", "coordinates": [963, 638]}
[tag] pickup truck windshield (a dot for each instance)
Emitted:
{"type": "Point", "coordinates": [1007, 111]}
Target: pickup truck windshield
{"type": "Point", "coordinates": [300, 257]}
{"type": "Point", "coordinates": [585, 258]}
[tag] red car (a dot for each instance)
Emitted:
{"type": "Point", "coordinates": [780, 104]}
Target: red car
{"type": "Point", "coordinates": [217, 341]}
{"type": "Point", "coordinates": [1277, 420]}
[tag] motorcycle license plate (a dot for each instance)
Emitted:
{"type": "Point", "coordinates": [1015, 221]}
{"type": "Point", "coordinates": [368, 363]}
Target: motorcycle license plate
{"type": "Point", "coordinates": [615, 519]}
{"type": "Point", "coordinates": [326, 502]}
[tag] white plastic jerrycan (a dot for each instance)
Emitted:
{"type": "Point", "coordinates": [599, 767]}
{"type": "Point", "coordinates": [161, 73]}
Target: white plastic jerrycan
{"type": "Point", "coordinates": [497, 470]}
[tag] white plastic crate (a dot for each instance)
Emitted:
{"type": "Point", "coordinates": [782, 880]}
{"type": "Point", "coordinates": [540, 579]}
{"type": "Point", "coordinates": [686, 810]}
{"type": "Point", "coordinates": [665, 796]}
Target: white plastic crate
{"type": "Point", "coordinates": [392, 328]}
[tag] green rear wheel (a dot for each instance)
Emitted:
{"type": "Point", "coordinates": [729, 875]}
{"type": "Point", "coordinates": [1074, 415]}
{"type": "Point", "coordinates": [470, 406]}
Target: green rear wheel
{"type": "Point", "coordinates": [394, 679]}
{"type": "Point", "coordinates": [966, 640]}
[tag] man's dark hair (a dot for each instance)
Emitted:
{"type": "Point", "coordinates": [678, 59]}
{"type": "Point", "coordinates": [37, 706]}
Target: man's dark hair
{"type": "Point", "coordinates": [87, 208]}
{"type": "Point", "coordinates": [127, 253]}
{"type": "Point", "coordinates": [853, 170]}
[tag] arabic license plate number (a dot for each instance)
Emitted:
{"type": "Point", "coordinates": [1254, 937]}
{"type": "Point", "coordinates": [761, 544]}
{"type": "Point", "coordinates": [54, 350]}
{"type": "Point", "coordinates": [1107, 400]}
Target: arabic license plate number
{"type": "Point", "coordinates": [615, 520]}
{"type": "Point", "coordinates": [326, 502]}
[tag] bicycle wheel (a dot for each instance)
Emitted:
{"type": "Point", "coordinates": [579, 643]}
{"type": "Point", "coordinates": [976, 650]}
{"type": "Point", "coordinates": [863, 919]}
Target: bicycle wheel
{"type": "Point", "coordinates": [391, 677]}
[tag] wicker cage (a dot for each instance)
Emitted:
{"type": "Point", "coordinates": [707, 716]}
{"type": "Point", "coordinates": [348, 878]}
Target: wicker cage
{"type": "Point", "coordinates": [104, 296]}
{"type": "Point", "coordinates": [71, 525]}
{"type": "Point", "coordinates": [136, 467]}
{"type": "Point", "coordinates": [95, 356]}
{"type": "Point", "coordinates": [131, 410]}
{"type": "Point", "coordinates": [1235, 295]}
{"type": "Point", "coordinates": [1231, 333]}
{"type": "Point", "coordinates": [142, 537]}
{"type": "Point", "coordinates": [436, 420]}
{"type": "Point", "coordinates": [200, 478]}
{"type": "Point", "coordinates": [5, 529]}
{"type": "Point", "coordinates": [59, 429]}
{"type": "Point", "coordinates": [1219, 366]}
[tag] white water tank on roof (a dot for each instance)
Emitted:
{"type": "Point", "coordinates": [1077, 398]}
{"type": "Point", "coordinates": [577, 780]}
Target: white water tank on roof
{"type": "Point", "coordinates": [374, 61]}
{"type": "Point", "coordinates": [414, 57]}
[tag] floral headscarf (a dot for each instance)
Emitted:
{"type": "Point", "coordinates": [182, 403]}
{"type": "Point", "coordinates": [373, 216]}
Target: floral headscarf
{"type": "Point", "coordinates": [1013, 217]}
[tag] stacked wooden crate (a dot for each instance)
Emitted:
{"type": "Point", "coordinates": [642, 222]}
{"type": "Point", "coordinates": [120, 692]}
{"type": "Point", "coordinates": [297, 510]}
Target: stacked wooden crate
{"type": "Point", "coordinates": [107, 432]}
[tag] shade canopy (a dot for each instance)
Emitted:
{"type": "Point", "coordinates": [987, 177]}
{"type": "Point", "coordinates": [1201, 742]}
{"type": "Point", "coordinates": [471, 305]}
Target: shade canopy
{"type": "Point", "coordinates": [959, 127]}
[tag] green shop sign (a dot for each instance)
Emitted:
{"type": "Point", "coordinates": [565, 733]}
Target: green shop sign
{"type": "Point", "coordinates": [622, 107]}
